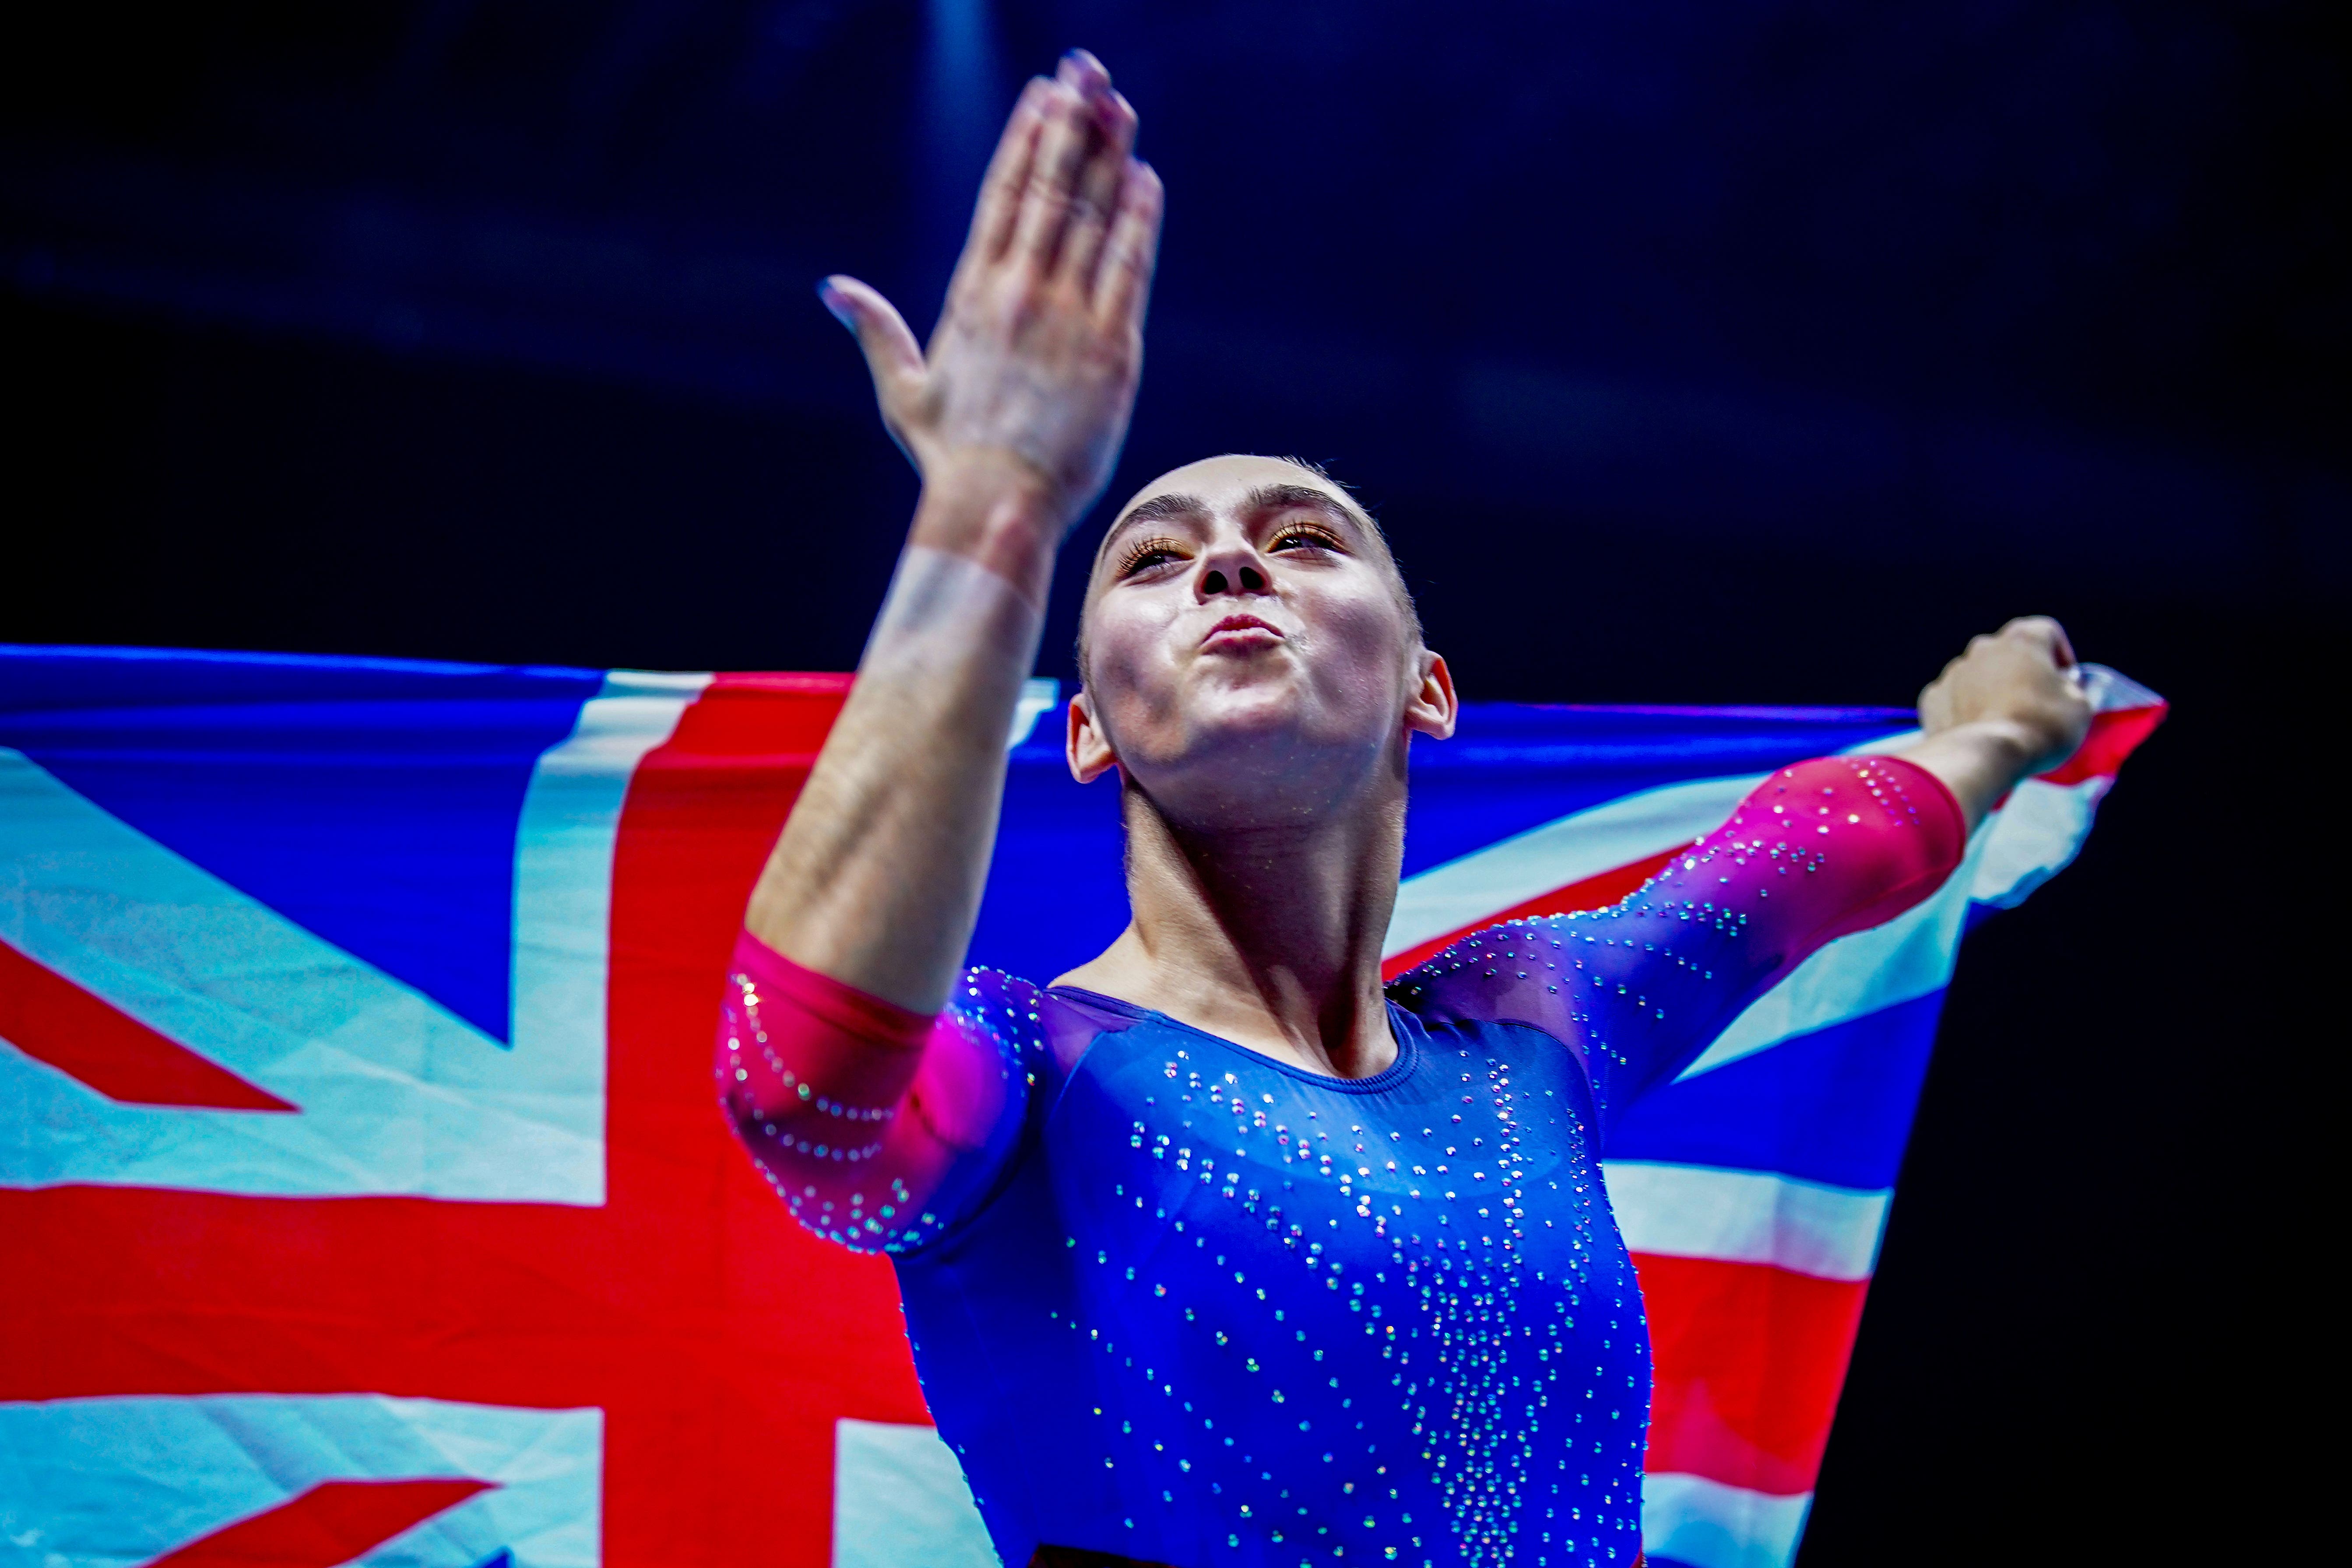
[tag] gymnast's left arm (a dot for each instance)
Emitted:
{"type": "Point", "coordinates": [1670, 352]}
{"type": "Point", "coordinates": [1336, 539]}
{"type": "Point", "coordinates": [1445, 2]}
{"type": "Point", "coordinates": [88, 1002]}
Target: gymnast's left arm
{"type": "Point", "coordinates": [1817, 851]}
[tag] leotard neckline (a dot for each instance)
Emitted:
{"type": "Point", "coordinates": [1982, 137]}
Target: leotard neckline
{"type": "Point", "coordinates": [1403, 1026]}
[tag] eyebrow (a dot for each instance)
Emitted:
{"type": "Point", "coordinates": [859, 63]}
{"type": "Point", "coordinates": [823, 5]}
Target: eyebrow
{"type": "Point", "coordinates": [1274, 498]}
{"type": "Point", "coordinates": [1172, 505]}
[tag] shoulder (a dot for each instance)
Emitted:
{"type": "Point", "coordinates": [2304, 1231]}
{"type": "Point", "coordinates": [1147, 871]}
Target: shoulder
{"type": "Point", "coordinates": [1498, 956]}
{"type": "Point", "coordinates": [1045, 1025]}
{"type": "Point", "coordinates": [982, 990]}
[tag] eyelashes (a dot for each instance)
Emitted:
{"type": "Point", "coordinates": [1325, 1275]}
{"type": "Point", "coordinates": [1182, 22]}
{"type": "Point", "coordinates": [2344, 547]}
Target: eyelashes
{"type": "Point", "coordinates": [1147, 553]}
{"type": "Point", "coordinates": [1306, 533]}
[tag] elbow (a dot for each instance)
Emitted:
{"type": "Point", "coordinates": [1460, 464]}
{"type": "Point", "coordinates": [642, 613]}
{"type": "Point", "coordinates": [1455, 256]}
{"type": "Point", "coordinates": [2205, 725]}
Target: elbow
{"type": "Point", "coordinates": [795, 1046]}
{"type": "Point", "coordinates": [740, 1101]}
{"type": "Point", "coordinates": [790, 1102]}
{"type": "Point", "coordinates": [759, 1096]}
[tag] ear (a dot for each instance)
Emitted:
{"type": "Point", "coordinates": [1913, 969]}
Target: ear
{"type": "Point", "coordinates": [1085, 746]}
{"type": "Point", "coordinates": [1433, 708]}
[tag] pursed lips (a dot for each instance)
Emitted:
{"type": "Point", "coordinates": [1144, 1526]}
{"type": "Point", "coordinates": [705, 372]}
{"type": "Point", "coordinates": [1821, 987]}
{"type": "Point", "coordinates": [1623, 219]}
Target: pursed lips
{"type": "Point", "coordinates": [1241, 633]}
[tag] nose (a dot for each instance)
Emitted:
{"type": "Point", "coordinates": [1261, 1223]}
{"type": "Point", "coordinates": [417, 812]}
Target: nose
{"type": "Point", "coordinates": [1232, 570]}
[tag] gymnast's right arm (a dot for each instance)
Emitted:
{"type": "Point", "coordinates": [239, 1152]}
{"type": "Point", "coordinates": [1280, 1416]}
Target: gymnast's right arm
{"type": "Point", "coordinates": [862, 1100]}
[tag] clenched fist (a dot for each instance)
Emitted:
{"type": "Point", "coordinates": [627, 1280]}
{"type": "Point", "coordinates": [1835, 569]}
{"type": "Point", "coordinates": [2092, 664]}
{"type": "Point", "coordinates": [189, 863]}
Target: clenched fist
{"type": "Point", "coordinates": [2023, 678]}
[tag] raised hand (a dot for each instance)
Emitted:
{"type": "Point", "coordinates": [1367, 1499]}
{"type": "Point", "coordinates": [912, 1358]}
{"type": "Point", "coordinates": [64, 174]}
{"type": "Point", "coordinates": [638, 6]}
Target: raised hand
{"type": "Point", "coordinates": [1036, 356]}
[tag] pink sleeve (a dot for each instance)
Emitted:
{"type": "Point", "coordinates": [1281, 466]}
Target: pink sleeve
{"type": "Point", "coordinates": [879, 1127]}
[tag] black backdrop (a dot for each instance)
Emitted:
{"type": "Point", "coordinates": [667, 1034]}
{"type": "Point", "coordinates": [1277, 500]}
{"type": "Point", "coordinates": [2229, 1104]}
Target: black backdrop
{"type": "Point", "coordinates": [1694, 357]}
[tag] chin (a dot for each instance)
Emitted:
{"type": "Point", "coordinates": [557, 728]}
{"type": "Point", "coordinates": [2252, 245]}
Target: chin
{"type": "Point", "coordinates": [1277, 723]}
{"type": "Point", "coordinates": [1260, 703]}
{"type": "Point", "coordinates": [1242, 733]}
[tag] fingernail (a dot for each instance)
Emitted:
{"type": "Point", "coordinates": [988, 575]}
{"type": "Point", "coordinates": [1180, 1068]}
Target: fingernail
{"type": "Point", "coordinates": [836, 306]}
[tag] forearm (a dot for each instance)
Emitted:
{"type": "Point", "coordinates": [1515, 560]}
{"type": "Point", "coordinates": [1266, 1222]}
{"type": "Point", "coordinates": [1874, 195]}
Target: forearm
{"type": "Point", "coordinates": [876, 878]}
{"type": "Point", "coordinates": [1979, 762]}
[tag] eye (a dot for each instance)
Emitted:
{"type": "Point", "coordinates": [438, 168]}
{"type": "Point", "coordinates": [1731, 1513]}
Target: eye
{"type": "Point", "coordinates": [1146, 554]}
{"type": "Point", "coordinates": [1304, 536]}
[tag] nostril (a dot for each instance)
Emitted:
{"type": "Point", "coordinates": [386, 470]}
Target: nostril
{"type": "Point", "coordinates": [1251, 582]}
{"type": "Point", "coordinates": [1215, 583]}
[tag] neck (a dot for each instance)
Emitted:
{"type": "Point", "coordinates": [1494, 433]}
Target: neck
{"type": "Point", "coordinates": [1269, 935]}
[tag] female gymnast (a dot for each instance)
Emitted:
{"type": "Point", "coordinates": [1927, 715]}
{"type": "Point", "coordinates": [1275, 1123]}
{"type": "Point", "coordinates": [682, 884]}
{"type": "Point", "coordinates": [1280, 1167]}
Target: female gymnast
{"type": "Point", "coordinates": [1215, 1249]}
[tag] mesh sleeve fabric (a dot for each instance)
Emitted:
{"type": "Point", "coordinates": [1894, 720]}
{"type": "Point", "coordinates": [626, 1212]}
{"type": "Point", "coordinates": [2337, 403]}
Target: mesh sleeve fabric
{"type": "Point", "coordinates": [1638, 990]}
{"type": "Point", "coordinates": [880, 1128]}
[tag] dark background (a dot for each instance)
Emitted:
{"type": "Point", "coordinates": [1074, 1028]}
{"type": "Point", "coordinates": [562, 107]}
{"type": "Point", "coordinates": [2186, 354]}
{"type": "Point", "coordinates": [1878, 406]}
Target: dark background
{"type": "Point", "coordinates": [1738, 353]}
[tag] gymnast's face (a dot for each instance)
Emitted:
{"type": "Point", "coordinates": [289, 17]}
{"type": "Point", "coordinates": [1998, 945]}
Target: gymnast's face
{"type": "Point", "coordinates": [1249, 651]}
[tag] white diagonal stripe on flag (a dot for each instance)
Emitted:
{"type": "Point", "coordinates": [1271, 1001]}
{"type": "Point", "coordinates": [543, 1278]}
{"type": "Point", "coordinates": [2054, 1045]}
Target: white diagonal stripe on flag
{"type": "Point", "coordinates": [1746, 1217]}
{"type": "Point", "coordinates": [1474, 889]}
{"type": "Point", "coordinates": [100, 1482]}
{"type": "Point", "coordinates": [1707, 1525]}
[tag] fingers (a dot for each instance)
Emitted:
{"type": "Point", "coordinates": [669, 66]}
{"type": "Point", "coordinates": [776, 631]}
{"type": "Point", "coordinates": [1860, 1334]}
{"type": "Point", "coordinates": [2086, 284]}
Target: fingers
{"type": "Point", "coordinates": [1083, 74]}
{"type": "Point", "coordinates": [992, 217]}
{"type": "Point", "coordinates": [1096, 201]}
{"type": "Point", "coordinates": [892, 355]}
{"type": "Point", "coordinates": [1064, 141]}
{"type": "Point", "coordinates": [1123, 280]}
{"type": "Point", "coordinates": [1053, 188]}
{"type": "Point", "coordinates": [2046, 634]}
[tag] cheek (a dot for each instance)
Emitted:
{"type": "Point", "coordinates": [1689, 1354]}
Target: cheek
{"type": "Point", "coordinates": [1363, 637]}
{"type": "Point", "coordinates": [1128, 664]}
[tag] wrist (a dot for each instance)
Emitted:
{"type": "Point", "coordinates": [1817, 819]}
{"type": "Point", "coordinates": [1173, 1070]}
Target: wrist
{"type": "Point", "coordinates": [2016, 748]}
{"type": "Point", "coordinates": [997, 509]}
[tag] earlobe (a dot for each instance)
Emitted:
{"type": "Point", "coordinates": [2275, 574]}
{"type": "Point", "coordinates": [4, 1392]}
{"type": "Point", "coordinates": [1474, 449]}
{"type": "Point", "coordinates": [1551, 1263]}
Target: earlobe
{"type": "Point", "coordinates": [1085, 747]}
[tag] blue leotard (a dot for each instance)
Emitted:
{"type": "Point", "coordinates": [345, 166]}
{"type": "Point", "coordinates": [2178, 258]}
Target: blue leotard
{"type": "Point", "coordinates": [1172, 1299]}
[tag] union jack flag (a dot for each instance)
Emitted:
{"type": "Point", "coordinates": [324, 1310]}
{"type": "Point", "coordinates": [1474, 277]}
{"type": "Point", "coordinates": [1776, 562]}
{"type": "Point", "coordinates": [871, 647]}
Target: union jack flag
{"type": "Point", "coordinates": [364, 1198]}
